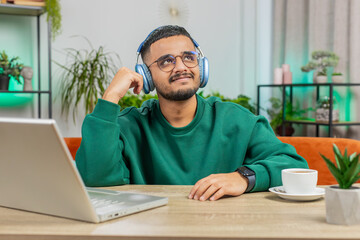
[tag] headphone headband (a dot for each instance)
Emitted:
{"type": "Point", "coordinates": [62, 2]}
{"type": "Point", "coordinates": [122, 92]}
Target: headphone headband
{"type": "Point", "coordinates": [142, 44]}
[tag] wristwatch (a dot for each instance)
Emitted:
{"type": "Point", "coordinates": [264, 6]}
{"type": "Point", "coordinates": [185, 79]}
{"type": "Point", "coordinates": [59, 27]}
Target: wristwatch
{"type": "Point", "coordinates": [249, 174]}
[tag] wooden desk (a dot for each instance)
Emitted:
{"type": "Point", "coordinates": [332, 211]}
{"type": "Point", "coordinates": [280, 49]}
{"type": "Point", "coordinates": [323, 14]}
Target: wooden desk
{"type": "Point", "coordinates": [251, 216]}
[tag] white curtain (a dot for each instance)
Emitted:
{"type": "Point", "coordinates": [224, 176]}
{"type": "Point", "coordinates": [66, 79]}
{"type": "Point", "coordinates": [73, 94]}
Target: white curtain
{"type": "Point", "coordinates": [302, 26]}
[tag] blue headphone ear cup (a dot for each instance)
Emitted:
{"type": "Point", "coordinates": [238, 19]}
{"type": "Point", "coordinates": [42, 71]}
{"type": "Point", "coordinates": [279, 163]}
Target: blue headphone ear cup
{"type": "Point", "coordinates": [204, 71]}
{"type": "Point", "coordinates": [144, 71]}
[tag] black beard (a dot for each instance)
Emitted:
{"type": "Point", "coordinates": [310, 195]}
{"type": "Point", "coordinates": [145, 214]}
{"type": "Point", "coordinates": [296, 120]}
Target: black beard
{"type": "Point", "coordinates": [180, 95]}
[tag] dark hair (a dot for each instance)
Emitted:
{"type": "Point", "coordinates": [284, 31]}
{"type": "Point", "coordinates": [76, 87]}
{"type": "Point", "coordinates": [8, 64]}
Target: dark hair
{"type": "Point", "coordinates": [160, 33]}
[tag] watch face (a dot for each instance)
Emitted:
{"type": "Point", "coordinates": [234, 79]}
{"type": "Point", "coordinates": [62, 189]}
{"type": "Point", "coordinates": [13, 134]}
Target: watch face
{"type": "Point", "coordinates": [246, 172]}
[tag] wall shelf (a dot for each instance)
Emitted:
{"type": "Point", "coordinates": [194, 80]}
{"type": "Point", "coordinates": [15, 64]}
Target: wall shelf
{"type": "Point", "coordinates": [19, 97]}
{"type": "Point", "coordinates": [12, 9]}
{"type": "Point", "coordinates": [331, 86]}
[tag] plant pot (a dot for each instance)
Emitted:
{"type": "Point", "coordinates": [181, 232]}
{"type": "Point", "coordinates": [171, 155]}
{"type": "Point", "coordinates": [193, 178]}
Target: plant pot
{"type": "Point", "coordinates": [337, 79]}
{"type": "Point", "coordinates": [4, 82]}
{"type": "Point", "coordinates": [322, 115]}
{"type": "Point", "coordinates": [289, 130]}
{"type": "Point", "coordinates": [321, 79]}
{"type": "Point", "coordinates": [342, 205]}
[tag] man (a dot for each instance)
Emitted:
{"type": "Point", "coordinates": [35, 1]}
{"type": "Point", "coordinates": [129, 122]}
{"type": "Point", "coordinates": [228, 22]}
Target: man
{"type": "Point", "coordinates": [181, 138]}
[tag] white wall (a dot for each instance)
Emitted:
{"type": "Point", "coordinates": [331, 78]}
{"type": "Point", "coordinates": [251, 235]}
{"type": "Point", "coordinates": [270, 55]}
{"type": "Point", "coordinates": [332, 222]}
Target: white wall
{"type": "Point", "coordinates": [228, 32]}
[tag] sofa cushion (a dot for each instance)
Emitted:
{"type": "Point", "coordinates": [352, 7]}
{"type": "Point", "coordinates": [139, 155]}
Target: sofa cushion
{"type": "Point", "coordinates": [311, 147]}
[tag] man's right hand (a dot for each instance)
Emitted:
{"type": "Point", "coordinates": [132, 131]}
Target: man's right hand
{"type": "Point", "coordinates": [124, 80]}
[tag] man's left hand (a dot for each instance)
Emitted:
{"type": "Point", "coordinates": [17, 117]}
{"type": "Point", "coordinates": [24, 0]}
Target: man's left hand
{"type": "Point", "coordinates": [216, 186]}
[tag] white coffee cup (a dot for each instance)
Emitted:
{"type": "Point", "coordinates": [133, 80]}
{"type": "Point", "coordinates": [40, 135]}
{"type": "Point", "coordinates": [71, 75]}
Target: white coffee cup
{"type": "Point", "coordinates": [299, 180]}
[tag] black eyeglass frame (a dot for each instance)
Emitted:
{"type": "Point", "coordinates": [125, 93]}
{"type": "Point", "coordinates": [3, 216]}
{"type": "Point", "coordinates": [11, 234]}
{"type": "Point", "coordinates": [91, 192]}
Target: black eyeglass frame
{"type": "Point", "coordinates": [174, 61]}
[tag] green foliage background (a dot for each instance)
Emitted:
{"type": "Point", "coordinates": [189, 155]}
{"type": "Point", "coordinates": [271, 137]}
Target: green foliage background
{"type": "Point", "coordinates": [131, 100]}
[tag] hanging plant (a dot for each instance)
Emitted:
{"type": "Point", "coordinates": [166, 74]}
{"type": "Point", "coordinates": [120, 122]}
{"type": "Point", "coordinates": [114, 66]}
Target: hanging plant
{"type": "Point", "coordinates": [53, 10]}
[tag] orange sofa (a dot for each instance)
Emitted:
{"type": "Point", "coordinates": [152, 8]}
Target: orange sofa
{"type": "Point", "coordinates": [307, 147]}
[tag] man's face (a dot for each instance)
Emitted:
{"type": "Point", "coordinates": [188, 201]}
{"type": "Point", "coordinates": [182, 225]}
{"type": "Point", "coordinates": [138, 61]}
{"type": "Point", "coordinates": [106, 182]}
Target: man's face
{"type": "Point", "coordinates": [182, 82]}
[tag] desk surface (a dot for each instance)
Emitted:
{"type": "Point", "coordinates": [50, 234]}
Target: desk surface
{"type": "Point", "coordinates": [253, 215]}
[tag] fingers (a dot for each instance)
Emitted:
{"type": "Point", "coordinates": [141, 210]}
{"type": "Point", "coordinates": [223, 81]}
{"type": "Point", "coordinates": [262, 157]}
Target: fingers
{"type": "Point", "coordinates": [205, 188]}
{"type": "Point", "coordinates": [194, 193]}
{"type": "Point", "coordinates": [123, 80]}
{"type": "Point", "coordinates": [216, 186]}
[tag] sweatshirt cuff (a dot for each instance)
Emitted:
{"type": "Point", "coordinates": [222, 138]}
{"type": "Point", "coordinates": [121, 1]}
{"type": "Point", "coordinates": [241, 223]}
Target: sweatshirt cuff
{"type": "Point", "coordinates": [106, 110]}
{"type": "Point", "coordinates": [262, 178]}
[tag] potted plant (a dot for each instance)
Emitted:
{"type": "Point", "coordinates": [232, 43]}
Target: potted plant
{"type": "Point", "coordinates": [275, 113]}
{"type": "Point", "coordinates": [9, 68]}
{"type": "Point", "coordinates": [85, 76]}
{"type": "Point", "coordinates": [343, 200]}
{"type": "Point", "coordinates": [321, 60]}
{"type": "Point", "coordinates": [323, 110]}
{"type": "Point", "coordinates": [337, 77]}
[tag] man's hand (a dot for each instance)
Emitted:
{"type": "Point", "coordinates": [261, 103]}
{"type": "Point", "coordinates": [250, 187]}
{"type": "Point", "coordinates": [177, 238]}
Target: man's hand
{"type": "Point", "coordinates": [217, 185]}
{"type": "Point", "coordinates": [124, 80]}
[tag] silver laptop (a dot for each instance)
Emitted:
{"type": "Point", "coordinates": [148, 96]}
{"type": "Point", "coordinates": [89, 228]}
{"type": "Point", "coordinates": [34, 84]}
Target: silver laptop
{"type": "Point", "coordinates": [38, 174]}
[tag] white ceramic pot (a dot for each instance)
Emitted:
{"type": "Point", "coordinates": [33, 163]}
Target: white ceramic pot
{"type": "Point", "coordinates": [322, 115]}
{"type": "Point", "coordinates": [321, 79]}
{"type": "Point", "coordinates": [337, 79]}
{"type": "Point", "coordinates": [342, 205]}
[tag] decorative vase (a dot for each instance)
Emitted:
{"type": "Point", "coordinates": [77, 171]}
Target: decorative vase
{"type": "Point", "coordinates": [337, 79]}
{"type": "Point", "coordinates": [4, 82]}
{"type": "Point", "coordinates": [27, 74]}
{"type": "Point", "coordinates": [321, 79]}
{"type": "Point", "coordinates": [342, 205]}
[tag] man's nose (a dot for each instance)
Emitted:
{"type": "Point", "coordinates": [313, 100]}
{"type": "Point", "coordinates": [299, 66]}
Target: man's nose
{"type": "Point", "coordinates": [179, 65]}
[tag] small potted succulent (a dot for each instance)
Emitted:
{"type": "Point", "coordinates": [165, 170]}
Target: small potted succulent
{"type": "Point", "coordinates": [8, 68]}
{"type": "Point", "coordinates": [343, 200]}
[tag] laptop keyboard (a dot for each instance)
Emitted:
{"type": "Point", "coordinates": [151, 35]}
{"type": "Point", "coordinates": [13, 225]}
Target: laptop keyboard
{"type": "Point", "coordinates": [99, 202]}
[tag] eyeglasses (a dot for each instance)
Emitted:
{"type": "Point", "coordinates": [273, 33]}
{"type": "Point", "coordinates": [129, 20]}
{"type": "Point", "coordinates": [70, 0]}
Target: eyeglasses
{"type": "Point", "coordinates": [167, 62]}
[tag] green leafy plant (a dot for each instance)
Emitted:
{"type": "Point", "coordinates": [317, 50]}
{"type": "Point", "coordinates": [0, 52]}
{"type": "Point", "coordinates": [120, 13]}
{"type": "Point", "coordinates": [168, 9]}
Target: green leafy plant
{"type": "Point", "coordinates": [53, 10]}
{"type": "Point", "coordinates": [85, 76]}
{"type": "Point", "coordinates": [275, 112]}
{"type": "Point", "coordinates": [241, 100]}
{"type": "Point", "coordinates": [131, 100]}
{"type": "Point", "coordinates": [347, 168]}
{"type": "Point", "coordinates": [10, 67]}
{"type": "Point", "coordinates": [321, 60]}
{"type": "Point", "coordinates": [337, 74]}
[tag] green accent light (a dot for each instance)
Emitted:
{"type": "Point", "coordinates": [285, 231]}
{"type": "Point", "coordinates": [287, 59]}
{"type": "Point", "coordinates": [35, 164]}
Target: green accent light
{"type": "Point", "coordinates": [8, 100]}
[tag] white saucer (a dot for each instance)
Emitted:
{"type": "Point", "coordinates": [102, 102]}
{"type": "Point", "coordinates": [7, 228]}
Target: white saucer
{"type": "Point", "coordinates": [280, 191]}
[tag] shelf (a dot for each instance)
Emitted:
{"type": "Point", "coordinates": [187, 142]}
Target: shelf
{"type": "Point", "coordinates": [309, 122]}
{"type": "Point", "coordinates": [310, 85]}
{"type": "Point", "coordinates": [317, 87]}
{"type": "Point", "coordinates": [16, 97]}
{"type": "Point", "coordinates": [20, 92]}
{"type": "Point", "coordinates": [11, 9]}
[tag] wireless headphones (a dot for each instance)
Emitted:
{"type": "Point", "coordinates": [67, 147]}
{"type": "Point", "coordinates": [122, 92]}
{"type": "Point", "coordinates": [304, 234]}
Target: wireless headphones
{"type": "Point", "coordinates": [144, 71]}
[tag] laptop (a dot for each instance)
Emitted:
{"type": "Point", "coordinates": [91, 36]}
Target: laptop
{"type": "Point", "coordinates": [38, 174]}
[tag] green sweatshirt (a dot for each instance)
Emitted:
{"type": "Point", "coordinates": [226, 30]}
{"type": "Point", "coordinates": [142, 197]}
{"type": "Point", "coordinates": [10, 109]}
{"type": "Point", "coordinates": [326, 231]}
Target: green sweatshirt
{"type": "Point", "coordinates": [139, 146]}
